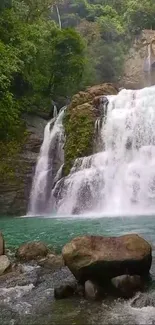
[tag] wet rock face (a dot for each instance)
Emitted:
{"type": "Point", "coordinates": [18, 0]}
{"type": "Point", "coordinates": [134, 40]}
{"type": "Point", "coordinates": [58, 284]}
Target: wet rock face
{"type": "Point", "coordinates": [32, 251]}
{"type": "Point", "coordinates": [65, 291]}
{"type": "Point", "coordinates": [135, 76]}
{"type": "Point", "coordinates": [2, 245]}
{"type": "Point", "coordinates": [101, 104]}
{"type": "Point", "coordinates": [5, 264]}
{"type": "Point", "coordinates": [91, 290]}
{"type": "Point", "coordinates": [14, 194]}
{"type": "Point", "coordinates": [99, 258]}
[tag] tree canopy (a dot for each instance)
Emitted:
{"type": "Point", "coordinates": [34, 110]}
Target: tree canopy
{"type": "Point", "coordinates": [115, 22]}
{"type": "Point", "coordinates": [41, 62]}
{"type": "Point", "coordinates": [38, 61]}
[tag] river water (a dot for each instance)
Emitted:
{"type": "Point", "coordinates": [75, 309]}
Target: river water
{"type": "Point", "coordinates": [31, 302]}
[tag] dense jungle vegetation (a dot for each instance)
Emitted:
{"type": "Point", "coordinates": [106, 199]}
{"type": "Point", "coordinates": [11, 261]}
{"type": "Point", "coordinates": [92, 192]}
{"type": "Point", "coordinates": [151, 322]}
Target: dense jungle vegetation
{"type": "Point", "coordinates": [51, 49]}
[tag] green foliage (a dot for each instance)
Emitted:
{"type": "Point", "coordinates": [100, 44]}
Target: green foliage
{"type": "Point", "coordinates": [113, 54]}
{"type": "Point", "coordinates": [69, 48]}
{"type": "Point", "coordinates": [9, 64]}
{"type": "Point", "coordinates": [5, 4]}
{"type": "Point", "coordinates": [9, 163]}
{"type": "Point", "coordinates": [118, 22]}
{"type": "Point", "coordinates": [38, 61]}
{"type": "Point", "coordinates": [140, 15]}
{"type": "Point", "coordinates": [111, 26]}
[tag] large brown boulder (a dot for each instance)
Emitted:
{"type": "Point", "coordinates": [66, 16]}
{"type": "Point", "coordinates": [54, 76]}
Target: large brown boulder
{"type": "Point", "coordinates": [99, 258]}
{"type": "Point", "coordinates": [32, 251]}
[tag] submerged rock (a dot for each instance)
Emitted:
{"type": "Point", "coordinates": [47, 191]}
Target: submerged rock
{"type": "Point", "coordinates": [2, 246]}
{"type": "Point", "coordinates": [99, 258]}
{"type": "Point", "coordinates": [32, 251]}
{"type": "Point", "coordinates": [65, 291]}
{"type": "Point", "coordinates": [126, 286]}
{"type": "Point", "coordinates": [80, 290]}
{"type": "Point", "coordinates": [5, 264]}
{"type": "Point", "coordinates": [91, 290]}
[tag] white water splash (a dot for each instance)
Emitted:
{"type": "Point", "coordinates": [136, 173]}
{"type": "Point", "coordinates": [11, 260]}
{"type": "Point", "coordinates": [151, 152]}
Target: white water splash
{"type": "Point", "coordinates": [53, 135]}
{"type": "Point", "coordinates": [121, 179]}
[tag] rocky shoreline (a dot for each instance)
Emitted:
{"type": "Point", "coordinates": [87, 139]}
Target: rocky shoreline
{"type": "Point", "coordinates": [91, 267]}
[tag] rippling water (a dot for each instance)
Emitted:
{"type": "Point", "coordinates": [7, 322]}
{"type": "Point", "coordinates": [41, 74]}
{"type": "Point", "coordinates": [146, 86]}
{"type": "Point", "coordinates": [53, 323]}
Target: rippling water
{"type": "Point", "coordinates": [57, 232]}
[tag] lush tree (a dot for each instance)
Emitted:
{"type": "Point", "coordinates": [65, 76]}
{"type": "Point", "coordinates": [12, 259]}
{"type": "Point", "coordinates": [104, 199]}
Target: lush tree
{"type": "Point", "coordinates": [38, 62]}
{"type": "Point", "coordinates": [118, 22]}
{"type": "Point", "coordinates": [52, 48]}
{"type": "Point", "coordinates": [140, 15]}
{"type": "Point", "coordinates": [5, 4]}
{"type": "Point", "coordinates": [67, 62]}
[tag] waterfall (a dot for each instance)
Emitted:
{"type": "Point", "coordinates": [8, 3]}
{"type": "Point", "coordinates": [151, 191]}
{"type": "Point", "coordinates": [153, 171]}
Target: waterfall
{"type": "Point", "coordinates": [50, 159]}
{"type": "Point", "coordinates": [59, 17]}
{"type": "Point", "coordinates": [120, 178]}
{"type": "Point", "coordinates": [147, 61]}
{"type": "Point", "coordinates": [55, 112]}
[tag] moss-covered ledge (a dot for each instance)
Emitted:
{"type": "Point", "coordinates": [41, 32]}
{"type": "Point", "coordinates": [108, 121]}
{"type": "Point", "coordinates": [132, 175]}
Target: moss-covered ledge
{"type": "Point", "coordinates": [79, 123]}
{"type": "Point", "coordinates": [79, 130]}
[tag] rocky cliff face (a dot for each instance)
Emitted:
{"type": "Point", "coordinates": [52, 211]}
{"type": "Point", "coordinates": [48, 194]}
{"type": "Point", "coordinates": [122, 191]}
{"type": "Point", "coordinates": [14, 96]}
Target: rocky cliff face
{"type": "Point", "coordinates": [14, 192]}
{"type": "Point", "coordinates": [135, 74]}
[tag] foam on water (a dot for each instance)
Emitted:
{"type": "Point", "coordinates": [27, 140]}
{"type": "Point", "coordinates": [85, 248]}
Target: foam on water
{"type": "Point", "coordinates": [13, 298]}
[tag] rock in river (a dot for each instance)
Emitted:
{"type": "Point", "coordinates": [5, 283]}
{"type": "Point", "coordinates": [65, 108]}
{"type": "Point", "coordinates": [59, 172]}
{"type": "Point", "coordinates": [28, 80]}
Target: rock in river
{"type": "Point", "coordinates": [5, 264]}
{"type": "Point", "coordinates": [127, 285]}
{"type": "Point", "coordinates": [2, 246]}
{"type": "Point", "coordinates": [91, 290]}
{"type": "Point", "coordinates": [52, 262]}
{"type": "Point", "coordinates": [65, 291]}
{"type": "Point", "coordinates": [100, 258]}
{"type": "Point", "coordinates": [32, 251]}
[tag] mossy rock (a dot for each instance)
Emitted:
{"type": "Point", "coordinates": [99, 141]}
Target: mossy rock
{"type": "Point", "coordinates": [92, 92]}
{"type": "Point", "coordinates": [79, 123]}
{"type": "Point", "coordinates": [79, 129]}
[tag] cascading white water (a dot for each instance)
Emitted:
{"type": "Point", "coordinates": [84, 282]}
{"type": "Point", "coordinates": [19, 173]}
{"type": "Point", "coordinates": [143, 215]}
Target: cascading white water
{"type": "Point", "coordinates": [147, 61]}
{"type": "Point", "coordinates": [55, 112]}
{"type": "Point", "coordinates": [44, 173]}
{"type": "Point", "coordinates": [120, 179]}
